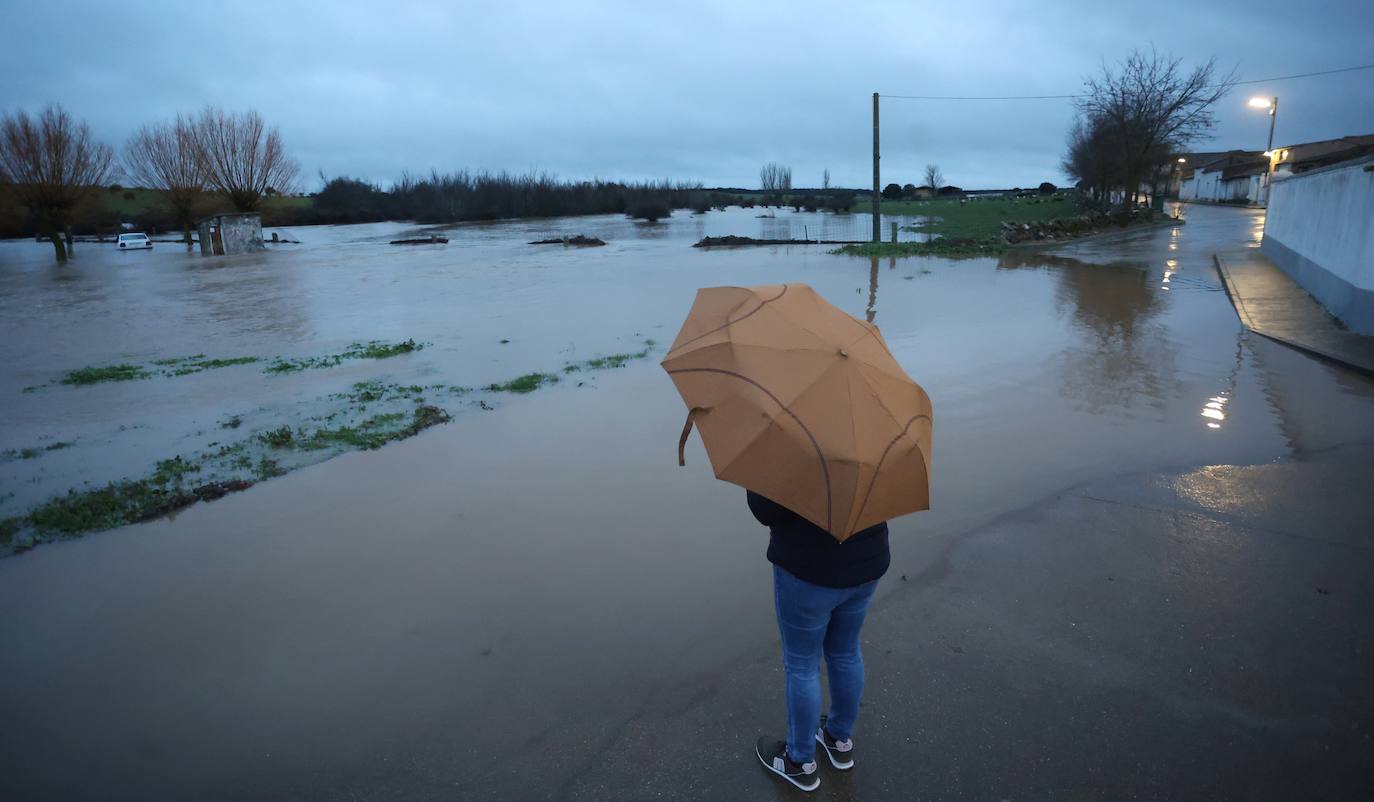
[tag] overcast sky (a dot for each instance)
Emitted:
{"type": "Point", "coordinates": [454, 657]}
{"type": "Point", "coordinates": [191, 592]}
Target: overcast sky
{"type": "Point", "coordinates": [703, 91]}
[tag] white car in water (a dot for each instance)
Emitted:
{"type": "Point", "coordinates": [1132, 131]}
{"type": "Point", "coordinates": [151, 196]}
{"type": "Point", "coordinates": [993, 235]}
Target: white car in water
{"type": "Point", "coordinates": [129, 242]}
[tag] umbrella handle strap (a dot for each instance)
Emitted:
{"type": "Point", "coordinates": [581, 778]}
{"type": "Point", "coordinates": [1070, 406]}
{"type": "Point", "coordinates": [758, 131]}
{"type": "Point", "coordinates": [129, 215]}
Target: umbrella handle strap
{"type": "Point", "coordinates": [686, 431]}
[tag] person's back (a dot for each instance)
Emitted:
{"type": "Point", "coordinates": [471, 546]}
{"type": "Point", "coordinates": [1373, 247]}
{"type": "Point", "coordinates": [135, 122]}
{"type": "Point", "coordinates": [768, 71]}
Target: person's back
{"type": "Point", "coordinates": [821, 591]}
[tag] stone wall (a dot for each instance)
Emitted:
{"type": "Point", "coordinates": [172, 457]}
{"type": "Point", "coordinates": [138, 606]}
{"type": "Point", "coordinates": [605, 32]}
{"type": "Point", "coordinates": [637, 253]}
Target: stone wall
{"type": "Point", "coordinates": [1320, 230]}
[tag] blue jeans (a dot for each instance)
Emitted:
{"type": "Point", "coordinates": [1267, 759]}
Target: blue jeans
{"type": "Point", "coordinates": [812, 620]}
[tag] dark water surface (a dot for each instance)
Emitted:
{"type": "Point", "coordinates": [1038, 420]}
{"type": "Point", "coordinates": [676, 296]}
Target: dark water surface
{"type": "Point", "coordinates": [518, 582]}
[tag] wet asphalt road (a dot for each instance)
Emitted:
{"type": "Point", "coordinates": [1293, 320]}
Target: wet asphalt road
{"type": "Point", "coordinates": [1195, 636]}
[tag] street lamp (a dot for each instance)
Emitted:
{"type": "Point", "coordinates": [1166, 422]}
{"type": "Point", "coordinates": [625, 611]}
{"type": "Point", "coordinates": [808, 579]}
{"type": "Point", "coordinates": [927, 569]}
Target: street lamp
{"type": "Point", "coordinates": [1272, 104]}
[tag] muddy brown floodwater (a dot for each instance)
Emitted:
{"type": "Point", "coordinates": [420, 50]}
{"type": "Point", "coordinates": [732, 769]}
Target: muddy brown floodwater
{"type": "Point", "coordinates": [519, 582]}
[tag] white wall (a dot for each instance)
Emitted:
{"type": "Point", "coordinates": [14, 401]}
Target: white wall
{"type": "Point", "coordinates": [1208, 185]}
{"type": "Point", "coordinates": [1320, 230]}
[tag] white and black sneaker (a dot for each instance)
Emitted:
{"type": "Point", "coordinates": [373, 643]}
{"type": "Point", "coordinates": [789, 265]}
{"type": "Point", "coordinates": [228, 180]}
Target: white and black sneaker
{"type": "Point", "coordinates": [841, 753]}
{"type": "Point", "coordinates": [773, 754]}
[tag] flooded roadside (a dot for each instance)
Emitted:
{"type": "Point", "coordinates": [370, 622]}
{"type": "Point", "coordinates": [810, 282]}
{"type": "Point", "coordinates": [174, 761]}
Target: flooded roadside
{"type": "Point", "coordinates": [521, 580]}
{"type": "Point", "coordinates": [199, 341]}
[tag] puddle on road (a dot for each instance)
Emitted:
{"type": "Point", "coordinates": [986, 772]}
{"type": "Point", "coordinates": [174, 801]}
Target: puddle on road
{"type": "Point", "coordinates": [510, 571]}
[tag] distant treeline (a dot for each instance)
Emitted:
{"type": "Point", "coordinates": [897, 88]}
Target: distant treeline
{"type": "Point", "coordinates": [437, 198]}
{"type": "Point", "coordinates": [464, 196]}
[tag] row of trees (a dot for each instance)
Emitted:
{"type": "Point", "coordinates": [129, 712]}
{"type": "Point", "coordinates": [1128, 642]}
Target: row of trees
{"type": "Point", "coordinates": [1133, 118]}
{"type": "Point", "coordinates": [51, 163]}
{"type": "Point", "coordinates": [462, 196]}
{"type": "Point", "coordinates": [934, 185]}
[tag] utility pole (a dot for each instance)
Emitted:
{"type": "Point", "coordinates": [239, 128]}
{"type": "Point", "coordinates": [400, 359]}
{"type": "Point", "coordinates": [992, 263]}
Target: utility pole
{"type": "Point", "coordinates": [1273, 115]}
{"type": "Point", "coordinates": [877, 189]}
{"type": "Point", "coordinates": [1269, 151]}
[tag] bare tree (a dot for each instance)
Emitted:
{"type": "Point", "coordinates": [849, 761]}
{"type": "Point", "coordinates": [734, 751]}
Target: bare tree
{"type": "Point", "coordinates": [53, 163]}
{"type": "Point", "coordinates": [785, 179]}
{"type": "Point", "coordinates": [933, 177]}
{"type": "Point", "coordinates": [768, 177]}
{"type": "Point", "coordinates": [825, 180]}
{"type": "Point", "coordinates": [242, 157]}
{"type": "Point", "coordinates": [1092, 159]}
{"type": "Point", "coordinates": [163, 157]}
{"type": "Point", "coordinates": [1148, 106]}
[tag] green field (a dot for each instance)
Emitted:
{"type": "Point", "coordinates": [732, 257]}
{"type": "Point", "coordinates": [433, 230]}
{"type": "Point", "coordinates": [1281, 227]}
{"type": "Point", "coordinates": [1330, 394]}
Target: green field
{"type": "Point", "coordinates": [982, 219]}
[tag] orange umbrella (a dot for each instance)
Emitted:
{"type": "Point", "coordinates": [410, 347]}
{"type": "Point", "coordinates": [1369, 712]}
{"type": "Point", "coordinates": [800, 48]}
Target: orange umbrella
{"type": "Point", "coordinates": [803, 404]}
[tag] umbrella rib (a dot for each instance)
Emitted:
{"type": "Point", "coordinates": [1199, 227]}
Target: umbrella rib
{"type": "Point", "coordinates": [878, 468]}
{"type": "Point", "coordinates": [730, 323]}
{"type": "Point", "coordinates": [825, 468]}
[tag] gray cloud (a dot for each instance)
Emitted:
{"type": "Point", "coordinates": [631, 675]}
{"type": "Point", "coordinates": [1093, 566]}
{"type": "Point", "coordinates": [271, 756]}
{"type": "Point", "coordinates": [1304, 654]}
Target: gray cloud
{"type": "Point", "coordinates": [704, 91]}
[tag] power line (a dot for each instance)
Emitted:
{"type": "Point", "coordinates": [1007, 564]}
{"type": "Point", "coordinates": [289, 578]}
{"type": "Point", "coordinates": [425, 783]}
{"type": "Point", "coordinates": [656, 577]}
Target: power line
{"type": "Point", "coordinates": [1071, 97]}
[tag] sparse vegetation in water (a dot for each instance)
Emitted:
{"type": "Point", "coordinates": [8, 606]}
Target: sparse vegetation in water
{"type": "Point", "coordinates": [611, 361]}
{"type": "Point", "coordinates": [523, 384]}
{"type": "Point", "coordinates": [175, 366]}
{"type": "Point", "coordinates": [33, 452]}
{"type": "Point", "coordinates": [372, 349]}
{"type": "Point", "coordinates": [367, 392]}
{"type": "Point", "coordinates": [9, 527]}
{"type": "Point", "coordinates": [939, 247]}
{"type": "Point", "coordinates": [279, 438]}
{"type": "Point", "coordinates": [105, 373]}
{"type": "Point", "coordinates": [367, 415]}
{"type": "Point", "coordinates": [370, 433]}
{"type": "Point", "coordinates": [185, 366]}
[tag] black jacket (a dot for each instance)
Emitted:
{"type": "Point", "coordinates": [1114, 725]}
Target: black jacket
{"type": "Point", "coordinates": [810, 553]}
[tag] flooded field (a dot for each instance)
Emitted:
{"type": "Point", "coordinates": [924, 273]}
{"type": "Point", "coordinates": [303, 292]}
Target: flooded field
{"type": "Point", "coordinates": [535, 569]}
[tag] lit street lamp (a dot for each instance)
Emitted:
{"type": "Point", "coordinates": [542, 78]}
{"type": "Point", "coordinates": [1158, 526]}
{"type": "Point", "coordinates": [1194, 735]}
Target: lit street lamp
{"type": "Point", "coordinates": [1272, 104]}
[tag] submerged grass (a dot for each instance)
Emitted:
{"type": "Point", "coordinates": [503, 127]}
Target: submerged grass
{"type": "Point", "coordinates": [105, 373]}
{"type": "Point", "coordinates": [372, 349]}
{"type": "Point", "coordinates": [199, 363]}
{"type": "Point", "coordinates": [972, 228]}
{"type": "Point", "coordinates": [982, 219]}
{"type": "Point", "coordinates": [939, 247]}
{"type": "Point", "coordinates": [523, 384]}
{"type": "Point", "coordinates": [366, 417]}
{"type": "Point", "coordinates": [368, 434]}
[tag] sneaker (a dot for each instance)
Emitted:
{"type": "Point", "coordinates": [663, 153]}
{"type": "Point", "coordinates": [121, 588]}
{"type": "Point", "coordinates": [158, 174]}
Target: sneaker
{"type": "Point", "coordinates": [841, 753]}
{"type": "Point", "coordinates": [773, 754]}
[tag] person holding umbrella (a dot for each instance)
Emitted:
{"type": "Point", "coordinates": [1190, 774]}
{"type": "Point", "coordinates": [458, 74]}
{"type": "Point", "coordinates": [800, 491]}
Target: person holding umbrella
{"type": "Point", "coordinates": [805, 407]}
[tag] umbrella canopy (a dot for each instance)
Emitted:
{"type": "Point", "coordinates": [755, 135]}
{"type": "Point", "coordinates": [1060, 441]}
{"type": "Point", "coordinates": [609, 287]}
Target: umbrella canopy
{"type": "Point", "coordinates": [803, 404]}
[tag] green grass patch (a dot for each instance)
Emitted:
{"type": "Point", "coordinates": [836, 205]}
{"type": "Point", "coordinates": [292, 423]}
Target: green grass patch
{"type": "Point", "coordinates": [523, 384]}
{"type": "Point", "coordinates": [279, 438]}
{"type": "Point", "coordinates": [371, 433]}
{"type": "Point", "coordinates": [175, 366]}
{"type": "Point", "coordinates": [197, 364]}
{"type": "Point", "coordinates": [981, 219]}
{"type": "Point", "coordinates": [105, 373]}
{"type": "Point", "coordinates": [611, 361]}
{"type": "Point", "coordinates": [971, 228]}
{"type": "Point", "coordinates": [372, 349]}
{"type": "Point", "coordinates": [947, 248]}
{"type": "Point", "coordinates": [367, 392]}
{"type": "Point", "coordinates": [123, 502]}
{"type": "Point", "coordinates": [9, 527]}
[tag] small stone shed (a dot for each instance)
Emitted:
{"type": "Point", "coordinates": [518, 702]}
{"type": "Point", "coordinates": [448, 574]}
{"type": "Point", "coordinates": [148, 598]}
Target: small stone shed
{"type": "Point", "coordinates": [224, 234]}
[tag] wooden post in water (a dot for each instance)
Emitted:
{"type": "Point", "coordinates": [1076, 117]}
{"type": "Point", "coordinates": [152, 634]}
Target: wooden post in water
{"type": "Point", "coordinates": [877, 189]}
{"type": "Point", "coordinates": [894, 231]}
